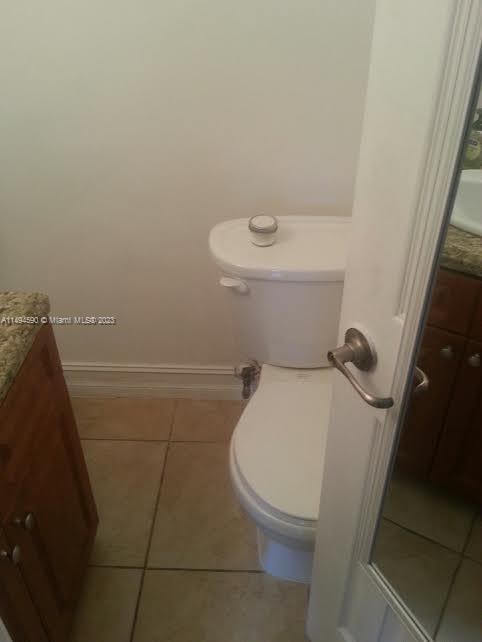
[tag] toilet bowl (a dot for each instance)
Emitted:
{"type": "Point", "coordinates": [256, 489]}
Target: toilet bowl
{"type": "Point", "coordinates": [276, 468]}
{"type": "Point", "coordinates": [286, 300]}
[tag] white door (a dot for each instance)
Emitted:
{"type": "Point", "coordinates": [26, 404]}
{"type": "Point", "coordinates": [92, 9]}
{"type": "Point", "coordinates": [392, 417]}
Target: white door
{"type": "Point", "coordinates": [423, 63]}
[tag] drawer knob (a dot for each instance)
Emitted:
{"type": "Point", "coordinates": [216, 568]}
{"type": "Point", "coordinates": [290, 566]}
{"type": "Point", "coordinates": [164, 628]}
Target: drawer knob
{"type": "Point", "coordinates": [474, 360]}
{"type": "Point", "coordinates": [13, 557]}
{"type": "Point", "coordinates": [447, 352]}
{"type": "Point", "coordinates": [27, 522]}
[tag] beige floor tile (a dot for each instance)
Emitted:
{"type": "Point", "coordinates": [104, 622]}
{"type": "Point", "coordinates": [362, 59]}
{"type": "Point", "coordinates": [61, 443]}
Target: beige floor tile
{"type": "Point", "coordinates": [107, 605]}
{"type": "Point", "coordinates": [474, 546]}
{"type": "Point", "coordinates": [205, 420]}
{"type": "Point", "coordinates": [220, 607]}
{"type": "Point", "coordinates": [125, 476]}
{"type": "Point", "coordinates": [462, 620]}
{"type": "Point", "coordinates": [199, 523]}
{"type": "Point", "coordinates": [442, 517]}
{"type": "Point", "coordinates": [419, 570]}
{"type": "Point", "coordinates": [122, 418]}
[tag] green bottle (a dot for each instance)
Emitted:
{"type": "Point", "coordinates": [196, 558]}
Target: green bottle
{"type": "Point", "coordinates": [473, 147]}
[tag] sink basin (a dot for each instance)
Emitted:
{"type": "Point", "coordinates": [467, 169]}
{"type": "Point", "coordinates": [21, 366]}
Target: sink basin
{"type": "Point", "coordinates": [467, 212]}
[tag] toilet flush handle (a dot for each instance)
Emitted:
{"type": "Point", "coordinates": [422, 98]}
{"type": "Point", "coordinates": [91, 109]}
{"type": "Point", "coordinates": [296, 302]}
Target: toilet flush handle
{"type": "Point", "coordinates": [234, 284]}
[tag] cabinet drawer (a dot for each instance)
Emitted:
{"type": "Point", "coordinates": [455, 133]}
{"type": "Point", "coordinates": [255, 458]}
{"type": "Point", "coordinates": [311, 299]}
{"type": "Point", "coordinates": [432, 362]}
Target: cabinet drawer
{"type": "Point", "coordinates": [453, 301]}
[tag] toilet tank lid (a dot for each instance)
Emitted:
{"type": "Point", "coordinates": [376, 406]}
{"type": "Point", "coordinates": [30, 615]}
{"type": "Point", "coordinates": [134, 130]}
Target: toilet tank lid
{"type": "Point", "coordinates": [307, 248]}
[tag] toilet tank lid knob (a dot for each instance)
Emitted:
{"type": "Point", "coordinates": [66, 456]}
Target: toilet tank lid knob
{"type": "Point", "coordinates": [263, 224]}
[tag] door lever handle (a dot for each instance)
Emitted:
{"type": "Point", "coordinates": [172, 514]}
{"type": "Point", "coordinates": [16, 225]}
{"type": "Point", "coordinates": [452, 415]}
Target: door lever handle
{"type": "Point", "coordinates": [357, 350]}
{"type": "Point", "coordinates": [421, 381]}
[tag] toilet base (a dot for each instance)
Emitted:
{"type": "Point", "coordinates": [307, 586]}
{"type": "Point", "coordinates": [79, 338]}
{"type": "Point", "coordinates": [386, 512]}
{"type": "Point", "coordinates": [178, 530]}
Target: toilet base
{"type": "Point", "coordinates": [284, 562]}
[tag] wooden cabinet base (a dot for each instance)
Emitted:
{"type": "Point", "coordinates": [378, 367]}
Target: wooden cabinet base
{"type": "Point", "coordinates": [47, 509]}
{"type": "Point", "coordinates": [440, 357]}
{"type": "Point", "coordinates": [458, 459]}
{"type": "Point", "coordinates": [441, 440]}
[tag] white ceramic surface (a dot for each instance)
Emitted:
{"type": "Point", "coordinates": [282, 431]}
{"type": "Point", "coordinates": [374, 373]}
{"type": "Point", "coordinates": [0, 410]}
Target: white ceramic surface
{"type": "Point", "coordinates": [286, 298]}
{"type": "Point", "coordinates": [278, 442]}
{"type": "Point", "coordinates": [307, 248]}
{"type": "Point", "coordinates": [467, 211]}
{"type": "Point", "coordinates": [276, 465]}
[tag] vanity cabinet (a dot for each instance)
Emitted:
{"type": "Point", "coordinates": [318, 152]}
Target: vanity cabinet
{"type": "Point", "coordinates": [47, 511]}
{"type": "Point", "coordinates": [18, 611]}
{"type": "Point", "coordinates": [440, 356]}
{"type": "Point", "coordinates": [458, 460]}
{"type": "Point", "coordinates": [441, 440]}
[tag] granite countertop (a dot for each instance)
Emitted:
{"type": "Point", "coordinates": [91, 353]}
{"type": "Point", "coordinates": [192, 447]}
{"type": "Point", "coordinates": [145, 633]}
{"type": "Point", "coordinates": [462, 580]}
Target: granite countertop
{"type": "Point", "coordinates": [462, 252]}
{"type": "Point", "coordinates": [20, 314]}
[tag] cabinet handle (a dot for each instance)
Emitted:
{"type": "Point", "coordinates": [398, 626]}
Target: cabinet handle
{"type": "Point", "coordinates": [27, 522]}
{"type": "Point", "coordinates": [13, 557]}
{"type": "Point", "coordinates": [447, 352]}
{"type": "Point", "coordinates": [474, 360]}
{"type": "Point", "coordinates": [421, 380]}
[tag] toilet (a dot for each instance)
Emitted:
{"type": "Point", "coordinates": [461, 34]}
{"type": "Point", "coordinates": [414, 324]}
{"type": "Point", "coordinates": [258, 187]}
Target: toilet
{"type": "Point", "coordinates": [286, 300]}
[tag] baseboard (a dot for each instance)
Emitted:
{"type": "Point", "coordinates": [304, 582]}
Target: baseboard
{"type": "Point", "coordinates": [151, 380]}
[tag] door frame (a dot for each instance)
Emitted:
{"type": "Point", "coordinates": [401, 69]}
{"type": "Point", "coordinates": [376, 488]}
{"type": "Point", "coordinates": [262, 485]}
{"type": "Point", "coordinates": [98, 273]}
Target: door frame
{"type": "Point", "coordinates": [435, 198]}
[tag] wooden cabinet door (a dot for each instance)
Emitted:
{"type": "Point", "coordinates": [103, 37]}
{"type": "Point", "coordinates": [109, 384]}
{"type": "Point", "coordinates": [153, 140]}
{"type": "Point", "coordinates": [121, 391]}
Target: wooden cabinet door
{"type": "Point", "coordinates": [458, 459]}
{"type": "Point", "coordinates": [440, 358]}
{"type": "Point", "coordinates": [453, 301]}
{"type": "Point", "coordinates": [16, 607]}
{"type": "Point", "coordinates": [52, 516]}
{"type": "Point", "coordinates": [476, 327]}
{"type": "Point", "coordinates": [54, 525]}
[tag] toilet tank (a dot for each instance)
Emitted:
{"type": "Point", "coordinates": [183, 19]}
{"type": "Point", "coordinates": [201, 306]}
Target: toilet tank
{"type": "Point", "coordinates": [286, 297]}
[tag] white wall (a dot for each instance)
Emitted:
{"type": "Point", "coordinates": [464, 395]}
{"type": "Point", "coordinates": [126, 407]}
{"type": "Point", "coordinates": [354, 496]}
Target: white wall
{"type": "Point", "coordinates": [129, 128]}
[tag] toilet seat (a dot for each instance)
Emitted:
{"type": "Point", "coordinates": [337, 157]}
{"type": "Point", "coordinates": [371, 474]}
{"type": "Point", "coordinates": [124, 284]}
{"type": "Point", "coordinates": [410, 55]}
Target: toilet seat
{"type": "Point", "coordinates": [285, 527]}
{"type": "Point", "coordinates": [277, 449]}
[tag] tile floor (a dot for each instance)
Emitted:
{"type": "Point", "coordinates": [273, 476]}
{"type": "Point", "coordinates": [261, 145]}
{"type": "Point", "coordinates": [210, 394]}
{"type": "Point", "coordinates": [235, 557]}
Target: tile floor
{"type": "Point", "coordinates": [175, 558]}
{"type": "Point", "coordinates": [429, 546]}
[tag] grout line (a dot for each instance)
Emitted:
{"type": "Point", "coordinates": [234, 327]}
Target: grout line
{"type": "Point", "coordinates": [148, 441]}
{"type": "Point", "coordinates": [157, 441]}
{"type": "Point", "coordinates": [204, 570]}
{"type": "Point", "coordinates": [151, 532]}
{"type": "Point", "coordinates": [454, 577]}
{"type": "Point", "coordinates": [447, 597]}
{"type": "Point", "coordinates": [128, 567]}
{"type": "Point", "coordinates": [425, 537]}
{"type": "Point", "coordinates": [173, 419]}
{"type": "Point", "coordinates": [177, 568]}
{"type": "Point", "coordinates": [469, 534]}
{"type": "Point", "coordinates": [141, 583]}
{"type": "Point", "coordinates": [200, 441]}
{"type": "Point", "coordinates": [136, 610]}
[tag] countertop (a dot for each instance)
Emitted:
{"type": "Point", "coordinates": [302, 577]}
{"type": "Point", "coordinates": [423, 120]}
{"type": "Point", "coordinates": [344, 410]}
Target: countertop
{"type": "Point", "coordinates": [462, 252]}
{"type": "Point", "coordinates": [16, 337]}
